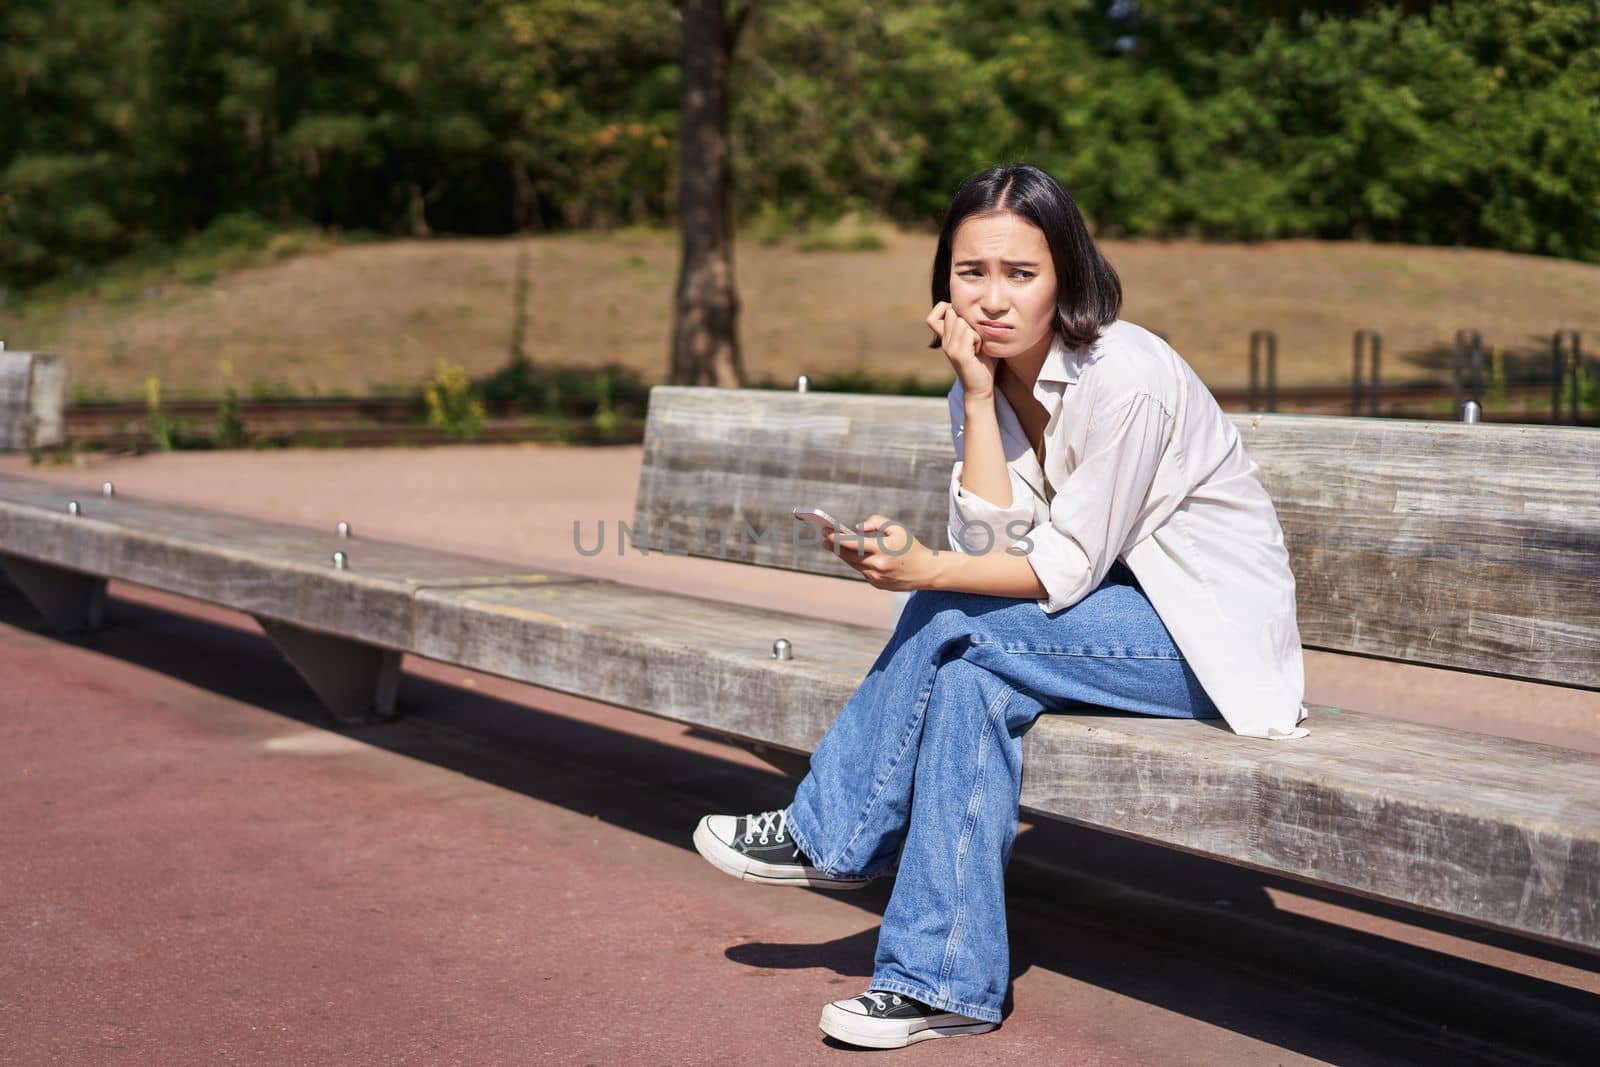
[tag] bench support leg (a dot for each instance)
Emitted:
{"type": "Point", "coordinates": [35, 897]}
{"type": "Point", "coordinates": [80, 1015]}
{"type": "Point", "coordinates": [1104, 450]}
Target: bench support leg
{"type": "Point", "coordinates": [70, 601]}
{"type": "Point", "coordinates": [355, 682]}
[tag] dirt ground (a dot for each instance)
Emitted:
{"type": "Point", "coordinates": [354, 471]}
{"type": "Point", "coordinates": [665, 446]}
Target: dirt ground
{"type": "Point", "coordinates": [366, 317]}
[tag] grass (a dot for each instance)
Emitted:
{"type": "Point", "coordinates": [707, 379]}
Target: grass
{"type": "Point", "coordinates": [307, 314]}
{"type": "Point", "coordinates": [230, 243]}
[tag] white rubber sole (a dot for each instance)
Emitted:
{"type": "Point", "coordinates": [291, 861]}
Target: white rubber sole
{"type": "Point", "coordinates": [853, 1029]}
{"type": "Point", "coordinates": [730, 860]}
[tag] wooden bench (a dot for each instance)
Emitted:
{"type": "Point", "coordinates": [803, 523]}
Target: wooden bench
{"type": "Point", "coordinates": [1475, 548]}
{"type": "Point", "coordinates": [33, 396]}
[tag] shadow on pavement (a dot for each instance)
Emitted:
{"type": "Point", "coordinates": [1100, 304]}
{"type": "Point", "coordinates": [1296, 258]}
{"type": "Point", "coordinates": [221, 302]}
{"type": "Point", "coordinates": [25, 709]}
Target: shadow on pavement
{"type": "Point", "coordinates": [1196, 937]}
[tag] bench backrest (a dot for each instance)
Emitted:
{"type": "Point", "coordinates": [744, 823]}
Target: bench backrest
{"type": "Point", "coordinates": [1474, 547]}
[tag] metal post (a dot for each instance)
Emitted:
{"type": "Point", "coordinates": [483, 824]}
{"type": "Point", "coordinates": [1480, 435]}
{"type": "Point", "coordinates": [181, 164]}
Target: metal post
{"type": "Point", "coordinates": [1577, 364]}
{"type": "Point", "coordinates": [1477, 371]}
{"type": "Point", "coordinates": [802, 384]}
{"type": "Point", "coordinates": [1255, 375]}
{"type": "Point", "coordinates": [1263, 339]}
{"type": "Point", "coordinates": [1470, 411]}
{"type": "Point", "coordinates": [1369, 342]}
{"type": "Point", "coordinates": [1467, 354]}
{"type": "Point", "coordinates": [1564, 359]}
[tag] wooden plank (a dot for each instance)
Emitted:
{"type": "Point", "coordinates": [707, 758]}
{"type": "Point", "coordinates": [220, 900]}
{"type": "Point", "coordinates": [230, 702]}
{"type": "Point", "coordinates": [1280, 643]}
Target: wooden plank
{"type": "Point", "coordinates": [1499, 832]}
{"type": "Point", "coordinates": [267, 569]}
{"type": "Point", "coordinates": [730, 460]}
{"type": "Point", "coordinates": [16, 412]}
{"type": "Point", "coordinates": [1476, 547]}
{"type": "Point", "coordinates": [1471, 547]}
{"type": "Point", "coordinates": [697, 661]}
{"type": "Point", "coordinates": [48, 400]}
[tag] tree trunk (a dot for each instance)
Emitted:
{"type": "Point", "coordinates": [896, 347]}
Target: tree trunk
{"type": "Point", "coordinates": [705, 334]}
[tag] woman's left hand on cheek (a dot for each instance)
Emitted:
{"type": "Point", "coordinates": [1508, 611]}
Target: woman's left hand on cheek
{"type": "Point", "coordinates": [886, 555]}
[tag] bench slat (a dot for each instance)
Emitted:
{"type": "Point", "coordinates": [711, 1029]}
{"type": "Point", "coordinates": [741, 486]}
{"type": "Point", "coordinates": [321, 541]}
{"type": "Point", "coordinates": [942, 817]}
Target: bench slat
{"type": "Point", "coordinates": [1470, 547]}
{"type": "Point", "coordinates": [1467, 546]}
{"type": "Point", "coordinates": [268, 569]}
{"type": "Point", "coordinates": [1500, 832]}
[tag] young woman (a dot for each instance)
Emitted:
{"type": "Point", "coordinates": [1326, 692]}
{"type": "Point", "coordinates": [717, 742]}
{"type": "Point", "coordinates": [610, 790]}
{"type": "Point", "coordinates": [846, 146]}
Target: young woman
{"type": "Point", "coordinates": [1112, 548]}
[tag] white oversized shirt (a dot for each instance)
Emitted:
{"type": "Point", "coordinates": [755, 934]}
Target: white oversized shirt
{"type": "Point", "coordinates": [1140, 463]}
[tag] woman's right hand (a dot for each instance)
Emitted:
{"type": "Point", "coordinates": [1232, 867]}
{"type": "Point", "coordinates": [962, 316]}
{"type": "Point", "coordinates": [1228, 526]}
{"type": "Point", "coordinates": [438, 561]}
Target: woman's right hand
{"type": "Point", "coordinates": [964, 348]}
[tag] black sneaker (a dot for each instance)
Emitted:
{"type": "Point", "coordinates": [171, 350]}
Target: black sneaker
{"type": "Point", "coordinates": [758, 848]}
{"type": "Point", "coordinates": [889, 1020]}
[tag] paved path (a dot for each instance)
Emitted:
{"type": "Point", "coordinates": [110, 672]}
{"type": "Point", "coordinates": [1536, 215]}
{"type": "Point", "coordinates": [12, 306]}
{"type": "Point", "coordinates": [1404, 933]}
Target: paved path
{"type": "Point", "coordinates": [194, 870]}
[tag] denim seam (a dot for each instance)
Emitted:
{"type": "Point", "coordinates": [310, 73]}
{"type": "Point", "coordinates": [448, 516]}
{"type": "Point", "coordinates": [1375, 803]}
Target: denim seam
{"type": "Point", "coordinates": [883, 780]}
{"type": "Point", "coordinates": [935, 1000]}
{"type": "Point", "coordinates": [969, 824]}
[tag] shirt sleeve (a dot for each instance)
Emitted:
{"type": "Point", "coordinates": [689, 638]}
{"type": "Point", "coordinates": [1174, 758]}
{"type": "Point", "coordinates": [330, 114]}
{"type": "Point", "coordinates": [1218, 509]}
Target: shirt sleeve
{"type": "Point", "coordinates": [1093, 514]}
{"type": "Point", "coordinates": [976, 525]}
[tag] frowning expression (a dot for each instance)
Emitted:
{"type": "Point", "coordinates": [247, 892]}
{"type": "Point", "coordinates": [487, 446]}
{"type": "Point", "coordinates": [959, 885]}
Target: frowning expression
{"type": "Point", "coordinates": [1003, 283]}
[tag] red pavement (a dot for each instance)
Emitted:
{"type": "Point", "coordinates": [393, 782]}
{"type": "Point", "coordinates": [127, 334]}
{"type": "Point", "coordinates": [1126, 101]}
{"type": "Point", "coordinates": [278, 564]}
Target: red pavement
{"type": "Point", "coordinates": [193, 874]}
{"type": "Point", "coordinates": [193, 869]}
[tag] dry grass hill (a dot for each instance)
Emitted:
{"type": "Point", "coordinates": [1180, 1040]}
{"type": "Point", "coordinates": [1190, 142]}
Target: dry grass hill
{"type": "Point", "coordinates": [368, 317]}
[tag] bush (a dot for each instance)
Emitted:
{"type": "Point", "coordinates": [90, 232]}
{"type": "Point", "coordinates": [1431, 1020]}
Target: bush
{"type": "Point", "coordinates": [453, 405]}
{"type": "Point", "coordinates": [864, 380]}
{"type": "Point", "coordinates": [524, 386]}
{"type": "Point", "coordinates": [163, 433]}
{"type": "Point", "coordinates": [229, 432]}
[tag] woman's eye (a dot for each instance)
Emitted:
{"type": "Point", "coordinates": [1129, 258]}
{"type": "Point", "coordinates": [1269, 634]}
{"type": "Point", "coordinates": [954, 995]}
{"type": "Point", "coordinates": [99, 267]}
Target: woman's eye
{"type": "Point", "coordinates": [1023, 274]}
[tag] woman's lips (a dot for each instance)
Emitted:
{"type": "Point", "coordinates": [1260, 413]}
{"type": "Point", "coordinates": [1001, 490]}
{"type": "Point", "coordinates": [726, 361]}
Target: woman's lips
{"type": "Point", "coordinates": [994, 329]}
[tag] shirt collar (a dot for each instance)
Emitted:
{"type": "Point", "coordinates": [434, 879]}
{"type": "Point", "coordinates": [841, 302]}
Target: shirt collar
{"type": "Point", "coordinates": [1061, 363]}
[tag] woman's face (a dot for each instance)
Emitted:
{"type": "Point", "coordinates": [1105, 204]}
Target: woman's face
{"type": "Point", "coordinates": [1003, 283]}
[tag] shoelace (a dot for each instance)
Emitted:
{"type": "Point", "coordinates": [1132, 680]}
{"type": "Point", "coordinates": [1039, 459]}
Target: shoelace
{"type": "Point", "coordinates": [883, 1001]}
{"type": "Point", "coordinates": [764, 823]}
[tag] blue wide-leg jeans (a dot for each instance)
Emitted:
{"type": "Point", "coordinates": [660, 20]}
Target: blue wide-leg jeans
{"type": "Point", "coordinates": [924, 763]}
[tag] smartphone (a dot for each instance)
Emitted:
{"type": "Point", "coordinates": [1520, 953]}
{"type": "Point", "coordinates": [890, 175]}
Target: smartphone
{"type": "Point", "coordinates": [822, 518]}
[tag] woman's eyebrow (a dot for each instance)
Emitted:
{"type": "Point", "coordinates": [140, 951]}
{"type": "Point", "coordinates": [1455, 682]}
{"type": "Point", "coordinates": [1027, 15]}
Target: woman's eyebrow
{"type": "Point", "coordinates": [1007, 262]}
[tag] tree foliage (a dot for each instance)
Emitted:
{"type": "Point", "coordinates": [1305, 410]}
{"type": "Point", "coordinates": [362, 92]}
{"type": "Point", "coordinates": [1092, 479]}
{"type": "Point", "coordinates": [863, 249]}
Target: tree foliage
{"type": "Point", "coordinates": [127, 123]}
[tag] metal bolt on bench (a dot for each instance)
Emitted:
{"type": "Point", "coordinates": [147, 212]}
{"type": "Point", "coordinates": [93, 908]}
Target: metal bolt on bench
{"type": "Point", "coordinates": [342, 530]}
{"type": "Point", "coordinates": [781, 649]}
{"type": "Point", "coordinates": [73, 508]}
{"type": "Point", "coordinates": [340, 561]}
{"type": "Point", "coordinates": [107, 489]}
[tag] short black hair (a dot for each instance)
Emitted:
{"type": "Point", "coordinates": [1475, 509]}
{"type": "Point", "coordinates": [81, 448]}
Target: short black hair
{"type": "Point", "coordinates": [1088, 291]}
